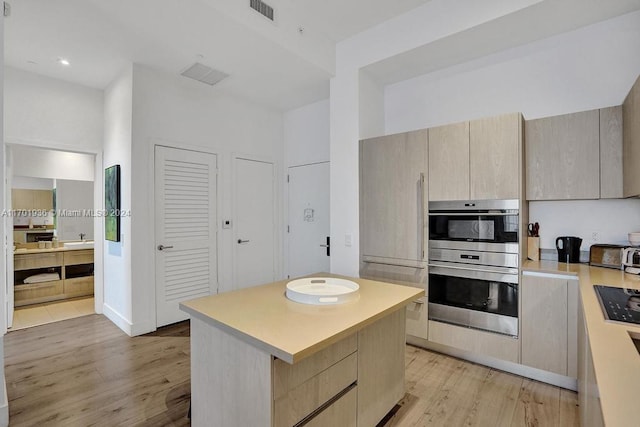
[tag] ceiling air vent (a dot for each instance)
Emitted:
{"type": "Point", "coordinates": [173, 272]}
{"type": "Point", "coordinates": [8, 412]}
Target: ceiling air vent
{"type": "Point", "coordinates": [262, 8]}
{"type": "Point", "coordinates": [204, 74]}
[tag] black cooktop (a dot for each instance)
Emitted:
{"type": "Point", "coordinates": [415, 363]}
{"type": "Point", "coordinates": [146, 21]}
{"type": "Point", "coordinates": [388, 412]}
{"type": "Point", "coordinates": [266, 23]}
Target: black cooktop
{"type": "Point", "coordinates": [619, 304]}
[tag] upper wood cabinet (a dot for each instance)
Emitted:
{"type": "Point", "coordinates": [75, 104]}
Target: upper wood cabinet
{"type": "Point", "coordinates": [449, 162]}
{"type": "Point", "coordinates": [476, 160]}
{"type": "Point", "coordinates": [495, 157]}
{"type": "Point", "coordinates": [611, 153]}
{"type": "Point", "coordinates": [393, 195]}
{"type": "Point", "coordinates": [563, 157]}
{"type": "Point", "coordinates": [631, 142]}
{"type": "Point", "coordinates": [31, 199]}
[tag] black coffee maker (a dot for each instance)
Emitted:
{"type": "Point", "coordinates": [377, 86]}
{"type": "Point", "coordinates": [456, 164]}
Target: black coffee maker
{"type": "Point", "coordinates": [568, 249]}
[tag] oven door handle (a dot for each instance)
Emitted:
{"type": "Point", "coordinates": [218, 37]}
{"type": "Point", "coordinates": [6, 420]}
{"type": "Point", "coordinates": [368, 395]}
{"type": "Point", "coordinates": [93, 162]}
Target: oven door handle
{"type": "Point", "coordinates": [431, 213]}
{"type": "Point", "coordinates": [498, 271]}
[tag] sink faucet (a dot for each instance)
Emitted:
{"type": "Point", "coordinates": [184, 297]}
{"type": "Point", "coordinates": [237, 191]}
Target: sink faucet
{"type": "Point", "coordinates": [82, 236]}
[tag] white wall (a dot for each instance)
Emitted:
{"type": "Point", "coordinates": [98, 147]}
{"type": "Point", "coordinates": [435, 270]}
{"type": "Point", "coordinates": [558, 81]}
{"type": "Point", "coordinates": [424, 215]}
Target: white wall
{"type": "Point", "coordinates": [29, 183]}
{"type": "Point", "coordinates": [4, 404]}
{"type": "Point", "coordinates": [610, 220]}
{"type": "Point", "coordinates": [306, 134]}
{"type": "Point", "coordinates": [52, 164]}
{"type": "Point", "coordinates": [44, 111]}
{"type": "Point", "coordinates": [118, 102]}
{"type": "Point", "coordinates": [592, 67]}
{"type": "Point", "coordinates": [174, 111]}
{"type": "Point", "coordinates": [74, 196]}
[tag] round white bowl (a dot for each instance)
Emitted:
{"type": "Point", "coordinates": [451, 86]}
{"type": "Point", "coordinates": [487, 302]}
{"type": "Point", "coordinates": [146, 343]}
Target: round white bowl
{"type": "Point", "coordinates": [322, 290]}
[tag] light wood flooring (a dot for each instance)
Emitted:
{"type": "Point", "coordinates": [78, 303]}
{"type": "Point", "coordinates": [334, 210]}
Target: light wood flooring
{"type": "Point", "coordinates": [86, 372]}
{"type": "Point", "coordinates": [41, 314]}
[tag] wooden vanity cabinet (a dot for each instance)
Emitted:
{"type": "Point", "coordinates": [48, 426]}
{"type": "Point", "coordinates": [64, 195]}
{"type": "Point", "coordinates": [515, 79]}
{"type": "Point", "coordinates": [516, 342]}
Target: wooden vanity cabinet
{"type": "Point", "coordinates": [22, 199]}
{"type": "Point", "coordinates": [75, 269]}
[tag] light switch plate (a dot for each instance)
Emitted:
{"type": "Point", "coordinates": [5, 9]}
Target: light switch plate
{"type": "Point", "coordinates": [348, 239]}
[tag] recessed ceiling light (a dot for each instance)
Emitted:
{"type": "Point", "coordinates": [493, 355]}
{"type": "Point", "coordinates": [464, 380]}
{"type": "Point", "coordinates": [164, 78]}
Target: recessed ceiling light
{"type": "Point", "coordinates": [64, 61]}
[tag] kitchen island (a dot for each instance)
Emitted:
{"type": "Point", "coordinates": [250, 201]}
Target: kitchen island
{"type": "Point", "coordinates": [259, 359]}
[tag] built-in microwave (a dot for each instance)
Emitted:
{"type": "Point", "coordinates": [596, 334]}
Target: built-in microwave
{"type": "Point", "coordinates": [491, 225]}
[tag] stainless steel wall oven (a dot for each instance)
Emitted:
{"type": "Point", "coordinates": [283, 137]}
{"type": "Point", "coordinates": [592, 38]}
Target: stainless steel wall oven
{"type": "Point", "coordinates": [473, 264]}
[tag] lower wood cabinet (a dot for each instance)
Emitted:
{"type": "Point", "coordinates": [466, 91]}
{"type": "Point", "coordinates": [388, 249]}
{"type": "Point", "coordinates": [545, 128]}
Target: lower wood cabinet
{"type": "Point", "coordinates": [549, 323]}
{"type": "Point", "coordinates": [74, 270]}
{"type": "Point", "coordinates": [501, 347]}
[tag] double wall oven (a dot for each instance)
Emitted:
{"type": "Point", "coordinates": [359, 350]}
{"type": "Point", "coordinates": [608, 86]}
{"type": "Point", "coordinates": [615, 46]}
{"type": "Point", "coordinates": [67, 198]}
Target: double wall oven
{"type": "Point", "coordinates": [473, 264]}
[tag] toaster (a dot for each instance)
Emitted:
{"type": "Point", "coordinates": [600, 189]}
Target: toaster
{"type": "Point", "coordinates": [609, 256]}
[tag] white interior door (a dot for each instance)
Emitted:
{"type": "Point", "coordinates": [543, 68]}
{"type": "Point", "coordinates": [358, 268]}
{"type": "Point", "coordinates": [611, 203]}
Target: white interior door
{"type": "Point", "coordinates": [255, 228]}
{"type": "Point", "coordinates": [308, 219]}
{"type": "Point", "coordinates": [186, 256]}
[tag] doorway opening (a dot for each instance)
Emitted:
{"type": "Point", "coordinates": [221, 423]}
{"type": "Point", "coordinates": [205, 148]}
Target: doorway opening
{"type": "Point", "coordinates": [50, 271]}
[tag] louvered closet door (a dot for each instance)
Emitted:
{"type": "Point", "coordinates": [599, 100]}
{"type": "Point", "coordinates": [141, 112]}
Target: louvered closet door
{"type": "Point", "coordinates": [186, 258]}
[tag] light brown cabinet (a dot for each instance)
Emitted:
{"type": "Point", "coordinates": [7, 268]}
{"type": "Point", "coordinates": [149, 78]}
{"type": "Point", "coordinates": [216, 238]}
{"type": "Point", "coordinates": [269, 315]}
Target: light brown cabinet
{"type": "Point", "coordinates": [631, 141]}
{"type": "Point", "coordinates": [611, 153]}
{"type": "Point", "coordinates": [392, 196]}
{"type": "Point", "coordinates": [449, 162]}
{"type": "Point", "coordinates": [22, 199]}
{"type": "Point", "coordinates": [549, 329]}
{"type": "Point", "coordinates": [74, 270]}
{"type": "Point", "coordinates": [495, 157]}
{"type": "Point", "coordinates": [575, 156]}
{"type": "Point", "coordinates": [476, 160]}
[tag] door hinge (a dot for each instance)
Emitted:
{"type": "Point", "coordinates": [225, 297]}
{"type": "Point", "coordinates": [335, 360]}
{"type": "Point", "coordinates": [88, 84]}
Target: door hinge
{"type": "Point", "coordinates": [6, 9]}
{"type": "Point", "coordinates": [288, 229]}
{"type": "Point", "coordinates": [288, 178]}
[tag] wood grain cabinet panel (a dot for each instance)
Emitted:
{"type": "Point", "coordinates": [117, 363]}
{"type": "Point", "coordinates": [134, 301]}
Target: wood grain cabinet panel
{"type": "Point", "coordinates": [392, 195]}
{"type": "Point", "coordinates": [33, 261]}
{"type": "Point", "coordinates": [549, 324]}
{"type": "Point", "coordinates": [495, 145]}
{"type": "Point", "coordinates": [631, 141]}
{"type": "Point", "coordinates": [563, 157]}
{"type": "Point", "coordinates": [341, 413]}
{"type": "Point", "coordinates": [449, 162]}
{"type": "Point", "coordinates": [611, 153]}
{"type": "Point", "coordinates": [31, 199]}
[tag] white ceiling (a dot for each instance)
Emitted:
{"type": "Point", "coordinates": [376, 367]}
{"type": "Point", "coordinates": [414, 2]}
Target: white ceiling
{"type": "Point", "coordinates": [274, 64]}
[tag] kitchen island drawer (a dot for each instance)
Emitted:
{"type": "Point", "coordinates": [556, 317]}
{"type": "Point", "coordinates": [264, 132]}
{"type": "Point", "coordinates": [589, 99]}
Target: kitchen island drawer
{"type": "Point", "coordinates": [341, 413]}
{"type": "Point", "coordinates": [78, 257]}
{"type": "Point", "coordinates": [302, 400]}
{"type": "Point", "coordinates": [37, 292]}
{"type": "Point", "coordinates": [287, 376]}
{"type": "Point", "coordinates": [34, 261]}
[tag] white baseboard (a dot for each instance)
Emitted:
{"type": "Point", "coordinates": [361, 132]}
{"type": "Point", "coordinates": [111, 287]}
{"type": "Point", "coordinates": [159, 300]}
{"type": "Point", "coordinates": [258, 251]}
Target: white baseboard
{"type": "Point", "coordinates": [131, 329]}
{"type": "Point", "coordinates": [117, 319]}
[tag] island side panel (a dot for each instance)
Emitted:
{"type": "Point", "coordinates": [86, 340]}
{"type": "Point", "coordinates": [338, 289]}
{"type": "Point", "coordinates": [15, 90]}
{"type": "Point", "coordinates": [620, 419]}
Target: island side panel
{"type": "Point", "coordinates": [230, 380]}
{"type": "Point", "coordinates": [381, 352]}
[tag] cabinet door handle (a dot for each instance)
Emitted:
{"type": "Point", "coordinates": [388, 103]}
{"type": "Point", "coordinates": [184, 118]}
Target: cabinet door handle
{"type": "Point", "coordinates": [163, 247]}
{"type": "Point", "coordinates": [240, 241]}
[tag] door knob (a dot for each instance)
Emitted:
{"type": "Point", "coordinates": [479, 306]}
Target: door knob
{"type": "Point", "coordinates": [240, 241]}
{"type": "Point", "coordinates": [163, 247]}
